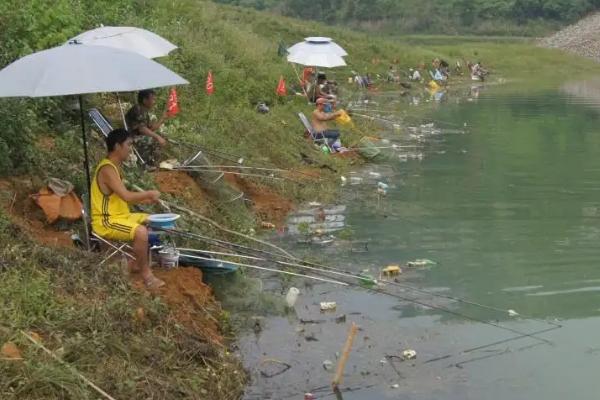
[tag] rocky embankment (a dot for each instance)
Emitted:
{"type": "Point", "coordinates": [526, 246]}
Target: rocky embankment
{"type": "Point", "coordinates": [581, 38]}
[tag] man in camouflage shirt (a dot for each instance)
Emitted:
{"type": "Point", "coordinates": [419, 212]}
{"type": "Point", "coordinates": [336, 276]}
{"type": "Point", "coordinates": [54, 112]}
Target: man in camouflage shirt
{"type": "Point", "coordinates": [146, 139]}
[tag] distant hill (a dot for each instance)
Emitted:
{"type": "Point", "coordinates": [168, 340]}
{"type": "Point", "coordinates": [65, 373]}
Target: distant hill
{"type": "Point", "coordinates": [489, 17]}
{"type": "Point", "coordinates": [581, 38]}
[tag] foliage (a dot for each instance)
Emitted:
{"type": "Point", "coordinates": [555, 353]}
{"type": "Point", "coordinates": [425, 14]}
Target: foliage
{"type": "Point", "coordinates": [434, 16]}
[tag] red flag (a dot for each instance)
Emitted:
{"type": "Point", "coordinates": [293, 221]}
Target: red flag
{"type": "Point", "coordinates": [210, 88]}
{"type": "Point", "coordinates": [281, 89]}
{"type": "Point", "coordinates": [172, 104]}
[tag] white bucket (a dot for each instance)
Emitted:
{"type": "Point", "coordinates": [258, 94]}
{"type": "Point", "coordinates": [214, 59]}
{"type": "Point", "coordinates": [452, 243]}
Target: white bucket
{"type": "Point", "coordinates": [292, 296]}
{"type": "Point", "coordinates": [169, 258]}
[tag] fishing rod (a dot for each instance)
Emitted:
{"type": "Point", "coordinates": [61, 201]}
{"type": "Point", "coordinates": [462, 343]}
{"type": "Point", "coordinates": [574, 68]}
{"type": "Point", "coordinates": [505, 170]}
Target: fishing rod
{"type": "Point", "coordinates": [405, 117]}
{"type": "Point", "coordinates": [334, 270]}
{"type": "Point", "coordinates": [381, 291]}
{"type": "Point", "coordinates": [435, 120]}
{"type": "Point", "coordinates": [238, 167]}
{"type": "Point", "coordinates": [373, 118]}
{"type": "Point", "coordinates": [267, 269]}
{"type": "Point", "coordinates": [394, 146]}
{"type": "Point", "coordinates": [239, 160]}
{"type": "Point", "coordinates": [282, 263]}
{"type": "Point", "coordinates": [213, 152]}
{"type": "Point", "coordinates": [228, 172]}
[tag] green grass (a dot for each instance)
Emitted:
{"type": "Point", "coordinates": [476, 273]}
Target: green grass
{"type": "Point", "coordinates": [85, 313]}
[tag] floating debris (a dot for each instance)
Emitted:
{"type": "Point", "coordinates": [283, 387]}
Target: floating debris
{"type": "Point", "coordinates": [513, 313]}
{"type": "Point", "coordinates": [292, 296]}
{"type": "Point", "coordinates": [355, 180]}
{"type": "Point", "coordinates": [420, 263]}
{"type": "Point", "coordinates": [340, 319]}
{"type": "Point", "coordinates": [328, 305]}
{"type": "Point", "coordinates": [409, 354]}
{"type": "Point", "coordinates": [270, 368]}
{"type": "Point", "coordinates": [391, 270]}
{"type": "Point", "coordinates": [328, 365]}
{"type": "Point", "coordinates": [366, 280]}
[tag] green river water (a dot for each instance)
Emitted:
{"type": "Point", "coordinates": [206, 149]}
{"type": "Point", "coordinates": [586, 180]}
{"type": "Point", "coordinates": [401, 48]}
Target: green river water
{"type": "Point", "coordinates": [509, 207]}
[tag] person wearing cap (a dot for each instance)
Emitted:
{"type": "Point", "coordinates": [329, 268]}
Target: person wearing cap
{"type": "Point", "coordinates": [320, 118]}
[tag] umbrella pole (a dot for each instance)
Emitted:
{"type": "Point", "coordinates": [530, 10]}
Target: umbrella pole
{"type": "Point", "coordinates": [85, 149]}
{"type": "Point", "coordinates": [86, 167]}
{"type": "Point", "coordinates": [300, 80]}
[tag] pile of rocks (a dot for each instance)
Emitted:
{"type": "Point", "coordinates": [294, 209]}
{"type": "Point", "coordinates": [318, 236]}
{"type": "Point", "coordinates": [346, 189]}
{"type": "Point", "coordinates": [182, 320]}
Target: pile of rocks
{"type": "Point", "coordinates": [582, 38]}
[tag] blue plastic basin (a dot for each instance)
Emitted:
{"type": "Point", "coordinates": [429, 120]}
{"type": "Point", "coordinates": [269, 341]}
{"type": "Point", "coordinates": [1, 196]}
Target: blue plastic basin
{"type": "Point", "coordinates": [163, 221]}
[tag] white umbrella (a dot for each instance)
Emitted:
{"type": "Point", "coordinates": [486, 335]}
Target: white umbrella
{"type": "Point", "coordinates": [137, 40]}
{"type": "Point", "coordinates": [318, 45]}
{"type": "Point", "coordinates": [141, 41]}
{"type": "Point", "coordinates": [75, 69]}
{"type": "Point", "coordinates": [324, 60]}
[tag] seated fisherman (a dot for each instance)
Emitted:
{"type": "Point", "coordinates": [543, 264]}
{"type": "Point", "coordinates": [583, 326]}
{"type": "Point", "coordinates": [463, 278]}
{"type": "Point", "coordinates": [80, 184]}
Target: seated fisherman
{"type": "Point", "coordinates": [111, 217]}
{"type": "Point", "coordinates": [320, 116]}
{"type": "Point", "coordinates": [143, 130]}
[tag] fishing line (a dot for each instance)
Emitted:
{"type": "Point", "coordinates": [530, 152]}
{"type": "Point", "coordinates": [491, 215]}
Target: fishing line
{"type": "Point", "coordinates": [395, 295]}
{"type": "Point", "coordinates": [239, 160]}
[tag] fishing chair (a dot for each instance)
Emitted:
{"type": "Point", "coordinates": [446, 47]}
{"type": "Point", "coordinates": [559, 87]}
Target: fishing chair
{"type": "Point", "coordinates": [311, 132]}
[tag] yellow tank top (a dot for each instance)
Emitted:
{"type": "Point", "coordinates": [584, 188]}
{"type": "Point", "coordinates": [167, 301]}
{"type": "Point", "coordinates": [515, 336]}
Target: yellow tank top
{"type": "Point", "coordinates": [106, 205]}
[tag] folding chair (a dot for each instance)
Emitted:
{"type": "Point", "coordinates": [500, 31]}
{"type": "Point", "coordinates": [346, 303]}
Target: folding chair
{"type": "Point", "coordinates": [104, 127]}
{"type": "Point", "coordinates": [311, 131]}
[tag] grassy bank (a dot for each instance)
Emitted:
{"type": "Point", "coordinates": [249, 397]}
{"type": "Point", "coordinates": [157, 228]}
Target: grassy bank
{"type": "Point", "coordinates": [89, 314]}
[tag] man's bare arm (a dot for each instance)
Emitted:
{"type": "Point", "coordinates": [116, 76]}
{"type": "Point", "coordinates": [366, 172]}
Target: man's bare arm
{"type": "Point", "coordinates": [109, 178]}
{"type": "Point", "coordinates": [144, 130]}
{"type": "Point", "coordinates": [323, 116]}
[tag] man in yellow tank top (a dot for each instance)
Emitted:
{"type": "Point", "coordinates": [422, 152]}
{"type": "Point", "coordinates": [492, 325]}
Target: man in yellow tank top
{"type": "Point", "coordinates": [111, 217]}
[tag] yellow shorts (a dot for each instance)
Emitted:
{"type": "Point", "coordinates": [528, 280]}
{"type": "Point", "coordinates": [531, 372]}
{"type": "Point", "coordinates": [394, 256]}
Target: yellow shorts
{"type": "Point", "coordinates": [120, 228]}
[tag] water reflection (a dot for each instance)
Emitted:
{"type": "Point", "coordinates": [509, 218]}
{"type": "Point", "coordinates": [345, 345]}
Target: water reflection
{"type": "Point", "coordinates": [505, 199]}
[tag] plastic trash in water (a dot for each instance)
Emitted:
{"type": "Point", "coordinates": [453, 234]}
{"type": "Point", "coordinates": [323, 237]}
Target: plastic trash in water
{"type": "Point", "coordinates": [328, 365]}
{"type": "Point", "coordinates": [343, 179]}
{"type": "Point", "coordinates": [355, 180]}
{"type": "Point", "coordinates": [292, 296]}
{"type": "Point", "coordinates": [409, 354]}
{"type": "Point", "coordinates": [328, 305]}
{"type": "Point", "coordinates": [391, 270]}
{"type": "Point", "coordinates": [367, 281]}
{"type": "Point", "coordinates": [383, 186]}
{"type": "Point", "coordinates": [513, 313]}
{"type": "Point", "coordinates": [420, 263]}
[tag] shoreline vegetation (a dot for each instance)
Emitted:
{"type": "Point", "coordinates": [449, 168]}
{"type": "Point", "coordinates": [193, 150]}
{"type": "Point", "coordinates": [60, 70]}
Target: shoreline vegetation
{"type": "Point", "coordinates": [449, 17]}
{"type": "Point", "coordinates": [177, 343]}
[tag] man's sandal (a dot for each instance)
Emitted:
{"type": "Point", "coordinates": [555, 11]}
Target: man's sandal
{"type": "Point", "coordinates": [153, 282]}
